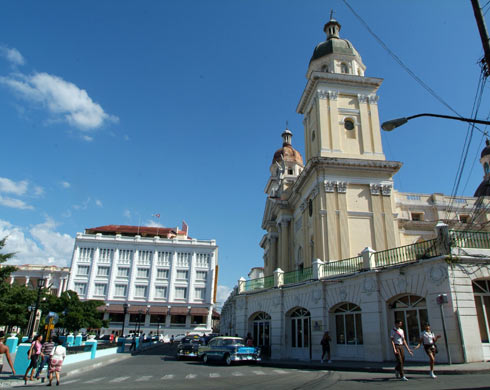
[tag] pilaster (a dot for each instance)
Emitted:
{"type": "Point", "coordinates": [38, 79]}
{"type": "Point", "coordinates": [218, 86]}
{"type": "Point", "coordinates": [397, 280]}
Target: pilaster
{"type": "Point", "coordinates": [112, 276]}
{"type": "Point", "coordinates": [93, 272]}
{"type": "Point", "coordinates": [171, 277]}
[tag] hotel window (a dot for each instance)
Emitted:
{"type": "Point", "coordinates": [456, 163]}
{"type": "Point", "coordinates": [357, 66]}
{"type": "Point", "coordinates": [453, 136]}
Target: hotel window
{"type": "Point", "coordinates": [121, 290]}
{"type": "Point", "coordinates": [164, 258]}
{"type": "Point", "coordinates": [202, 260]}
{"type": "Point", "coordinates": [180, 292]}
{"type": "Point", "coordinates": [464, 218]}
{"type": "Point", "coordinates": [160, 292]}
{"type": "Point", "coordinates": [143, 272]}
{"type": "Point", "coordinates": [417, 216]}
{"type": "Point", "coordinates": [86, 253]}
{"type": "Point", "coordinates": [140, 291]}
{"type": "Point", "coordinates": [83, 270]}
{"type": "Point", "coordinates": [100, 289]}
{"type": "Point", "coordinates": [144, 257]}
{"type": "Point", "coordinates": [125, 255]}
{"type": "Point", "coordinates": [103, 271]}
{"type": "Point", "coordinates": [162, 273]}
{"type": "Point", "coordinates": [123, 272]}
{"type": "Point", "coordinates": [201, 275]}
{"type": "Point", "coordinates": [183, 259]}
{"type": "Point", "coordinates": [81, 288]}
{"type": "Point", "coordinates": [199, 293]}
{"type": "Point", "coordinates": [105, 254]}
{"type": "Point", "coordinates": [181, 274]}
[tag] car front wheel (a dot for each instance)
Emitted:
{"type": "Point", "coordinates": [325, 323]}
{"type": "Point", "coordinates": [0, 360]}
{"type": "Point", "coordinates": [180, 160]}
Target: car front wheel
{"type": "Point", "coordinates": [205, 359]}
{"type": "Point", "coordinates": [227, 360]}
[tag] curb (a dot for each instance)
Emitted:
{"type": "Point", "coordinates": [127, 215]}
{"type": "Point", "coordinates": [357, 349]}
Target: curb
{"type": "Point", "coordinates": [94, 365]}
{"type": "Point", "coordinates": [383, 370]}
{"type": "Point", "coordinates": [153, 346]}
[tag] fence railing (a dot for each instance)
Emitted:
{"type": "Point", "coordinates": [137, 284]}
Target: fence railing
{"type": "Point", "coordinates": [298, 275]}
{"type": "Point", "coordinates": [407, 253]}
{"type": "Point", "coordinates": [470, 239]}
{"type": "Point", "coordinates": [340, 267]}
{"type": "Point", "coordinates": [258, 283]}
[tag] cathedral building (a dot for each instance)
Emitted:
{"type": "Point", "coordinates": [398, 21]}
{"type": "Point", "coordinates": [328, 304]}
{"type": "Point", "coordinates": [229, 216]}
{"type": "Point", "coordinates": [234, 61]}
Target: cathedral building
{"type": "Point", "coordinates": [345, 252]}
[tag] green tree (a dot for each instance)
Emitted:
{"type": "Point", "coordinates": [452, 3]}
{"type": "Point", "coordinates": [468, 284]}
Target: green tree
{"type": "Point", "coordinates": [5, 271]}
{"type": "Point", "coordinates": [14, 303]}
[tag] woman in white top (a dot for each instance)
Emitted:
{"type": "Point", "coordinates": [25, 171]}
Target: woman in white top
{"type": "Point", "coordinates": [429, 340]}
{"type": "Point", "coordinates": [58, 354]}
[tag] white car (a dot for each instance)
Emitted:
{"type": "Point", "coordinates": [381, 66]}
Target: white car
{"type": "Point", "coordinates": [163, 338]}
{"type": "Point", "coordinates": [179, 337]}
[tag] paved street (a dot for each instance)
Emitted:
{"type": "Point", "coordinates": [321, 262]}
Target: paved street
{"type": "Point", "coordinates": [153, 370]}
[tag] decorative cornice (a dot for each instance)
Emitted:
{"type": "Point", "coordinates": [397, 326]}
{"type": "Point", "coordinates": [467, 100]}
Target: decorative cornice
{"type": "Point", "coordinates": [375, 189]}
{"type": "Point", "coordinates": [329, 186]}
{"type": "Point", "coordinates": [362, 98]}
{"type": "Point", "coordinates": [386, 189]}
{"type": "Point", "coordinates": [330, 95]}
{"type": "Point", "coordinates": [341, 187]}
{"type": "Point", "coordinates": [373, 99]}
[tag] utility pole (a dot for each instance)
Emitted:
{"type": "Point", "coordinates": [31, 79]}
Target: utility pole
{"type": "Point", "coordinates": [482, 28]}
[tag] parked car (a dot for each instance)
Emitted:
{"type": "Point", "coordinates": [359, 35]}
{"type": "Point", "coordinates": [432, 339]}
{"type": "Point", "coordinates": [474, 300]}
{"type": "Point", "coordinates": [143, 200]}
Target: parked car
{"type": "Point", "coordinates": [189, 347]}
{"type": "Point", "coordinates": [163, 338]}
{"type": "Point", "coordinates": [228, 350]}
{"type": "Point", "coordinates": [179, 337]}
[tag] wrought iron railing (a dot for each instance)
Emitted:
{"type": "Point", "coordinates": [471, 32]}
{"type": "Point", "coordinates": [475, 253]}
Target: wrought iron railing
{"type": "Point", "coordinates": [340, 267]}
{"type": "Point", "coordinates": [470, 239]}
{"type": "Point", "coordinates": [299, 275]}
{"type": "Point", "coordinates": [407, 253]}
{"type": "Point", "coordinates": [258, 283]}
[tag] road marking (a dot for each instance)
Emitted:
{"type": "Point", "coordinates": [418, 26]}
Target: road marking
{"type": "Point", "coordinates": [259, 372]}
{"type": "Point", "coordinates": [72, 381]}
{"type": "Point", "coordinates": [236, 373]}
{"type": "Point", "coordinates": [94, 380]}
{"type": "Point", "coordinates": [169, 376]}
{"type": "Point", "coordinates": [214, 375]}
{"type": "Point", "coordinates": [121, 379]}
{"type": "Point", "coordinates": [190, 376]}
{"type": "Point", "coordinates": [144, 378]}
{"type": "Point", "coordinates": [280, 372]}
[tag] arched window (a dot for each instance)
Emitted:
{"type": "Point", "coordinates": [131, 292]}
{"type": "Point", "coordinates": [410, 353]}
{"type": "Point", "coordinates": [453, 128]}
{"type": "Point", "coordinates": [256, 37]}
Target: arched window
{"type": "Point", "coordinates": [344, 68]}
{"type": "Point", "coordinates": [261, 329]}
{"type": "Point", "coordinates": [481, 290]}
{"type": "Point", "coordinates": [300, 328]}
{"type": "Point", "coordinates": [486, 168]}
{"type": "Point", "coordinates": [348, 324]}
{"type": "Point", "coordinates": [325, 68]}
{"type": "Point", "coordinates": [412, 311]}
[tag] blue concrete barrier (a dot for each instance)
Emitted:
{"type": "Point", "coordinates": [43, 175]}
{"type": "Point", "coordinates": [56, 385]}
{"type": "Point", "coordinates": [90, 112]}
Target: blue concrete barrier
{"type": "Point", "coordinates": [63, 340]}
{"type": "Point", "coordinates": [21, 359]}
{"type": "Point", "coordinates": [93, 343]}
{"type": "Point", "coordinates": [78, 340]}
{"type": "Point", "coordinates": [121, 344]}
{"type": "Point", "coordinates": [24, 339]}
{"type": "Point", "coordinates": [70, 340]}
{"type": "Point", "coordinates": [11, 343]}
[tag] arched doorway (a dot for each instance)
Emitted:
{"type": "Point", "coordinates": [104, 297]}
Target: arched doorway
{"type": "Point", "coordinates": [261, 325]}
{"type": "Point", "coordinates": [349, 338]}
{"type": "Point", "coordinates": [481, 291]}
{"type": "Point", "coordinates": [412, 311]}
{"type": "Point", "coordinates": [300, 333]}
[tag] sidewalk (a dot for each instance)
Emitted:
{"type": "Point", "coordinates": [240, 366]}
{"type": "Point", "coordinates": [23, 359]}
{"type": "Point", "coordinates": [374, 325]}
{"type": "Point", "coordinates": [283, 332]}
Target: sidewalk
{"type": "Point", "coordinates": [66, 371]}
{"type": "Point", "coordinates": [382, 367]}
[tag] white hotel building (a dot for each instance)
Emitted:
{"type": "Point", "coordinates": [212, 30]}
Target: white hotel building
{"type": "Point", "coordinates": [165, 279]}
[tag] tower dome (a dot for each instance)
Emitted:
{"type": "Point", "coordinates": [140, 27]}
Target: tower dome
{"type": "Point", "coordinates": [484, 187]}
{"type": "Point", "coordinates": [287, 152]}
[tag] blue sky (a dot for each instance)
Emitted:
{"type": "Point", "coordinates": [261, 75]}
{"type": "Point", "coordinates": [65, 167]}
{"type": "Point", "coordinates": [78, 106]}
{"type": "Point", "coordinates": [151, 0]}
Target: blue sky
{"type": "Point", "coordinates": [113, 111]}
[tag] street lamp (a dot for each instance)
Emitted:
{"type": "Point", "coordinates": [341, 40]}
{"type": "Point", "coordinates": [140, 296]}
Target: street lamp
{"type": "Point", "coordinates": [125, 311]}
{"type": "Point", "coordinates": [139, 320]}
{"type": "Point", "coordinates": [394, 123]}
{"type": "Point", "coordinates": [40, 284]}
{"type": "Point", "coordinates": [148, 313]}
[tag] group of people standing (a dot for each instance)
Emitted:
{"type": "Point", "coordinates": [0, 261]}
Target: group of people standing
{"type": "Point", "coordinates": [50, 353]}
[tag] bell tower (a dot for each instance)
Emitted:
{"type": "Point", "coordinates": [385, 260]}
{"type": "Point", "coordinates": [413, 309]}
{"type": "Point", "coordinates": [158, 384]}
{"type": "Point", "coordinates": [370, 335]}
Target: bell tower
{"type": "Point", "coordinates": [339, 103]}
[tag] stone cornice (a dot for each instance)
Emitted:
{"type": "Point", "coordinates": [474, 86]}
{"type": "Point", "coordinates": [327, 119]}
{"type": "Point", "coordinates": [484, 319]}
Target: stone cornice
{"type": "Point", "coordinates": [344, 79]}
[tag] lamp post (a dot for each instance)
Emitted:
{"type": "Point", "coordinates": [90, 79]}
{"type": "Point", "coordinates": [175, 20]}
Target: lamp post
{"type": "Point", "coordinates": [40, 284]}
{"type": "Point", "coordinates": [148, 313]}
{"type": "Point", "coordinates": [394, 123]}
{"type": "Point", "coordinates": [125, 311]}
{"type": "Point", "coordinates": [139, 320]}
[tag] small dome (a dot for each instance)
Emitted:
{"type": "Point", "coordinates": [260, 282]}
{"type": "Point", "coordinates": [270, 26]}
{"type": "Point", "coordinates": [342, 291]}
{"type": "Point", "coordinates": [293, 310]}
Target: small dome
{"type": "Point", "coordinates": [288, 153]}
{"type": "Point", "coordinates": [483, 189]}
{"type": "Point", "coordinates": [486, 150]}
{"type": "Point", "coordinates": [333, 46]}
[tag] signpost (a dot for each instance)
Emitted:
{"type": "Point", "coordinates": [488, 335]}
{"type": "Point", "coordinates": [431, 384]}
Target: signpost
{"type": "Point", "coordinates": [441, 300]}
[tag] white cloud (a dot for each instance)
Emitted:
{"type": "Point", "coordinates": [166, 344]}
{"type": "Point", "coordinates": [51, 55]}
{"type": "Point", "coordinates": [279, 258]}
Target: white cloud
{"type": "Point", "coordinates": [222, 294]}
{"type": "Point", "coordinates": [83, 205]}
{"type": "Point", "coordinates": [87, 138]}
{"type": "Point", "coordinates": [65, 184]}
{"type": "Point", "coordinates": [40, 244]}
{"type": "Point", "coordinates": [127, 213]}
{"type": "Point", "coordinates": [62, 99]}
{"type": "Point", "coordinates": [98, 203]}
{"type": "Point", "coordinates": [14, 203]}
{"type": "Point", "coordinates": [126, 137]}
{"type": "Point", "coordinates": [12, 55]}
{"type": "Point", "coordinates": [11, 187]}
{"type": "Point", "coordinates": [38, 190]}
{"type": "Point", "coordinates": [152, 223]}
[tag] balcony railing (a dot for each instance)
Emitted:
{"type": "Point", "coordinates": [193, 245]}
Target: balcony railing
{"type": "Point", "coordinates": [299, 275]}
{"type": "Point", "coordinates": [470, 239]}
{"type": "Point", "coordinates": [341, 267]}
{"type": "Point", "coordinates": [407, 253]}
{"type": "Point", "coordinates": [258, 283]}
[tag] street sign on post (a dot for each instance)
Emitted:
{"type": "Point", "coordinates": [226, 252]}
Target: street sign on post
{"type": "Point", "coordinates": [441, 300]}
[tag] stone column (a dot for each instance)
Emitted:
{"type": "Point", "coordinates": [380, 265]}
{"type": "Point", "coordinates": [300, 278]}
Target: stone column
{"type": "Point", "coordinates": [278, 277]}
{"type": "Point", "coordinates": [343, 221]}
{"type": "Point", "coordinates": [284, 259]}
{"type": "Point", "coordinates": [93, 272]}
{"type": "Point", "coordinates": [132, 275]}
{"type": "Point", "coordinates": [331, 217]}
{"type": "Point", "coordinates": [171, 277]}
{"type": "Point", "coordinates": [368, 260]}
{"type": "Point", "coordinates": [113, 273]}
{"type": "Point", "coordinates": [192, 277]}
{"type": "Point", "coordinates": [153, 275]}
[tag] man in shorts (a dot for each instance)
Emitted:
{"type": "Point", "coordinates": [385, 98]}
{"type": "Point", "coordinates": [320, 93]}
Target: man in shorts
{"type": "Point", "coordinates": [4, 350]}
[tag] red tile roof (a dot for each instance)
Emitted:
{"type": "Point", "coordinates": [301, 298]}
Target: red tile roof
{"type": "Point", "coordinates": [134, 230]}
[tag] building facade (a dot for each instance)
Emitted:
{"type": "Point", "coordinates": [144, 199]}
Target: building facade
{"type": "Point", "coordinates": [152, 279]}
{"type": "Point", "coordinates": [56, 278]}
{"type": "Point", "coordinates": [344, 251]}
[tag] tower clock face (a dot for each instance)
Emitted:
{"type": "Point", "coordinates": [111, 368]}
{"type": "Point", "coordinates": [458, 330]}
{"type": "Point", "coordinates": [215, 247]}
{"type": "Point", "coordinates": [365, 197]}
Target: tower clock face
{"type": "Point", "coordinates": [348, 124]}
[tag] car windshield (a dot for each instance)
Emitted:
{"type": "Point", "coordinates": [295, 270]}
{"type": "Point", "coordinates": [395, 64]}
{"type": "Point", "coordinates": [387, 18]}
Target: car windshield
{"type": "Point", "coordinates": [232, 342]}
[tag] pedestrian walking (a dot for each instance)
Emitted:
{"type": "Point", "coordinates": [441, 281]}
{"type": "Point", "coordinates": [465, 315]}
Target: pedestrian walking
{"type": "Point", "coordinates": [428, 339]}
{"type": "Point", "coordinates": [58, 354]}
{"type": "Point", "coordinates": [4, 350]}
{"type": "Point", "coordinates": [326, 347]}
{"type": "Point", "coordinates": [33, 355]}
{"type": "Point", "coordinates": [45, 356]}
{"type": "Point", "coordinates": [249, 341]}
{"type": "Point", "coordinates": [398, 341]}
{"type": "Point", "coordinates": [172, 339]}
{"type": "Point", "coordinates": [133, 343]}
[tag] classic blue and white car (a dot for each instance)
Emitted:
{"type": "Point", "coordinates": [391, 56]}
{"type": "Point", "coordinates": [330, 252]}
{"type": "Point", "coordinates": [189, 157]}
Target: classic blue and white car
{"type": "Point", "coordinates": [228, 350]}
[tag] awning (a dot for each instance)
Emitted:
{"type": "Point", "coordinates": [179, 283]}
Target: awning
{"type": "Point", "coordinates": [199, 311]}
{"type": "Point", "coordinates": [216, 315]}
{"type": "Point", "coordinates": [136, 309]}
{"type": "Point", "coordinates": [115, 309]}
{"type": "Point", "coordinates": [179, 310]}
{"type": "Point", "coordinates": [158, 310]}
